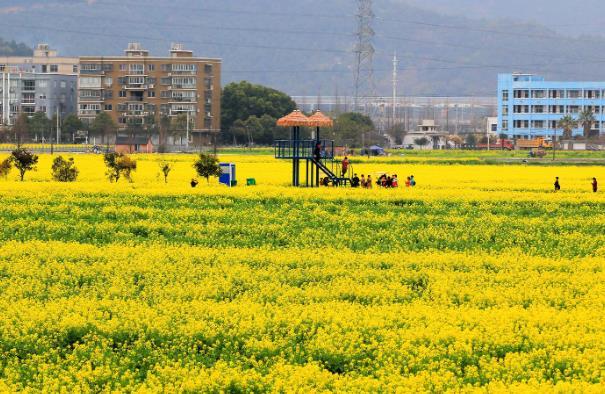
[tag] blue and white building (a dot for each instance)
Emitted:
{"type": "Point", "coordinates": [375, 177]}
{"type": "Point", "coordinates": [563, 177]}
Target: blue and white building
{"type": "Point", "coordinates": [529, 106]}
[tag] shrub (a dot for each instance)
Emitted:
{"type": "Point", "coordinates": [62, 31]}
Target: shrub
{"type": "Point", "coordinates": [24, 161]}
{"type": "Point", "coordinates": [64, 170]}
{"type": "Point", "coordinates": [165, 168]}
{"type": "Point", "coordinates": [119, 164]}
{"type": "Point", "coordinates": [207, 166]}
{"type": "Point", "coordinates": [5, 167]}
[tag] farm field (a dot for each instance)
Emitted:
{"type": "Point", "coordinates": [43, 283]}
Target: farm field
{"type": "Point", "coordinates": [479, 279]}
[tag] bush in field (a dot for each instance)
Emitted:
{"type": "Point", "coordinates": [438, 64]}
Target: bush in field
{"type": "Point", "coordinates": [207, 166]}
{"type": "Point", "coordinates": [118, 165]}
{"type": "Point", "coordinates": [24, 161]}
{"type": "Point", "coordinates": [5, 167]}
{"type": "Point", "coordinates": [64, 170]}
{"type": "Point", "coordinates": [165, 168]}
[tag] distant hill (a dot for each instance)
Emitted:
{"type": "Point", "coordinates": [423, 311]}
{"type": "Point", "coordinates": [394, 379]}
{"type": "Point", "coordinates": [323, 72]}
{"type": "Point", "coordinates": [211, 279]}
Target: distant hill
{"type": "Point", "coordinates": [305, 47]}
{"type": "Point", "coordinates": [11, 48]}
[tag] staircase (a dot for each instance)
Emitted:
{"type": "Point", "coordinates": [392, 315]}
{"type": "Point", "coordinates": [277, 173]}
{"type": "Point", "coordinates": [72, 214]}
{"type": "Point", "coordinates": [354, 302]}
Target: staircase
{"type": "Point", "coordinates": [330, 173]}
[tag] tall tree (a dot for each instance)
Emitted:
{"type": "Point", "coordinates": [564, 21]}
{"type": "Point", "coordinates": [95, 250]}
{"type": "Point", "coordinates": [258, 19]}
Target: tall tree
{"type": "Point", "coordinates": [71, 125]}
{"type": "Point", "coordinates": [39, 125]}
{"type": "Point", "coordinates": [103, 126]}
{"type": "Point", "coordinates": [567, 123]}
{"type": "Point", "coordinates": [586, 119]}
{"type": "Point", "coordinates": [21, 128]}
{"type": "Point", "coordinates": [242, 100]}
{"type": "Point", "coordinates": [164, 129]}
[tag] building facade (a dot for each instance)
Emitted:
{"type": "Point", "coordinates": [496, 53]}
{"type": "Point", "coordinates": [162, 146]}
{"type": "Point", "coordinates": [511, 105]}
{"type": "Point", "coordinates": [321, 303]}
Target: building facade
{"type": "Point", "coordinates": [43, 82]}
{"type": "Point", "coordinates": [529, 106]}
{"type": "Point", "coordinates": [137, 89]}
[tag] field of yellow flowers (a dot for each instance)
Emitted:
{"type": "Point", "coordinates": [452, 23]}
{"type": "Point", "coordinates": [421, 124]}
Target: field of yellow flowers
{"type": "Point", "coordinates": [479, 279]}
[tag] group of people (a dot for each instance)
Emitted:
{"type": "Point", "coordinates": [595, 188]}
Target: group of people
{"type": "Point", "coordinates": [594, 184]}
{"type": "Point", "coordinates": [384, 180]}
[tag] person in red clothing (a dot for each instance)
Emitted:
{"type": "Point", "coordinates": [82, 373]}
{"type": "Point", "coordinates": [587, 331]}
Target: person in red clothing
{"type": "Point", "coordinates": [394, 181]}
{"type": "Point", "coordinates": [595, 185]}
{"type": "Point", "coordinates": [345, 166]}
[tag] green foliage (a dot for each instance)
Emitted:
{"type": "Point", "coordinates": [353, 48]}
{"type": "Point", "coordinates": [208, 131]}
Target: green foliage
{"type": "Point", "coordinates": [471, 140]}
{"type": "Point", "coordinates": [206, 166]}
{"type": "Point", "coordinates": [103, 126]}
{"type": "Point", "coordinates": [24, 161]}
{"type": "Point", "coordinates": [21, 128]}
{"type": "Point", "coordinates": [5, 167]}
{"type": "Point", "coordinates": [71, 125]}
{"type": "Point", "coordinates": [165, 168]}
{"type": "Point", "coordinates": [11, 48]}
{"type": "Point", "coordinates": [39, 125]}
{"type": "Point", "coordinates": [118, 165]}
{"type": "Point", "coordinates": [353, 129]}
{"type": "Point", "coordinates": [64, 170]}
{"type": "Point", "coordinates": [567, 123]}
{"type": "Point", "coordinates": [422, 141]}
{"type": "Point", "coordinates": [586, 119]}
{"type": "Point", "coordinates": [242, 100]}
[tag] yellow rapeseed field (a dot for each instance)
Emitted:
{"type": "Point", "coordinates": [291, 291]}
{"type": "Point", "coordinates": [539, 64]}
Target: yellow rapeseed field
{"type": "Point", "coordinates": [480, 278]}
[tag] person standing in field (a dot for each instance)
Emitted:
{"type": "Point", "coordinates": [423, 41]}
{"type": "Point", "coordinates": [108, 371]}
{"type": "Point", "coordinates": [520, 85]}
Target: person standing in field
{"type": "Point", "coordinates": [394, 181]}
{"type": "Point", "coordinates": [412, 181]}
{"type": "Point", "coordinates": [408, 182]}
{"type": "Point", "coordinates": [355, 181]}
{"type": "Point", "coordinates": [317, 151]}
{"type": "Point", "coordinates": [595, 185]}
{"type": "Point", "coordinates": [557, 184]}
{"type": "Point", "coordinates": [345, 166]}
{"type": "Point", "coordinates": [369, 182]}
{"type": "Point", "coordinates": [363, 181]}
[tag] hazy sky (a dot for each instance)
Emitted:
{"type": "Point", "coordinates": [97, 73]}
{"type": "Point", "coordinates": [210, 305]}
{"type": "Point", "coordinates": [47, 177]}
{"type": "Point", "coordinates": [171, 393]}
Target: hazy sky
{"type": "Point", "coordinates": [569, 17]}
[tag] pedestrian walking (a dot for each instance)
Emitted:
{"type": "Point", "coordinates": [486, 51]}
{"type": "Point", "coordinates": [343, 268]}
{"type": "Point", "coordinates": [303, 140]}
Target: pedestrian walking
{"type": "Point", "coordinates": [595, 185]}
{"type": "Point", "coordinates": [557, 184]}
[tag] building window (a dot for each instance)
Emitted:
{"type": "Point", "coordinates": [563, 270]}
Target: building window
{"type": "Point", "coordinates": [123, 67]}
{"type": "Point", "coordinates": [108, 107]}
{"type": "Point", "coordinates": [136, 80]}
{"type": "Point", "coordinates": [538, 124]}
{"type": "Point", "coordinates": [44, 68]}
{"type": "Point", "coordinates": [537, 109]}
{"type": "Point", "coordinates": [137, 69]}
{"type": "Point", "coordinates": [107, 94]}
{"type": "Point", "coordinates": [183, 82]}
{"type": "Point", "coordinates": [504, 94]}
{"type": "Point", "coordinates": [574, 94]}
{"type": "Point", "coordinates": [504, 125]}
{"type": "Point", "coordinates": [556, 94]}
{"type": "Point", "coordinates": [165, 67]}
{"type": "Point", "coordinates": [166, 81]}
{"type": "Point", "coordinates": [521, 109]}
{"type": "Point", "coordinates": [182, 67]}
{"type": "Point", "coordinates": [90, 82]}
{"type": "Point", "coordinates": [28, 98]}
{"type": "Point", "coordinates": [42, 97]}
{"type": "Point", "coordinates": [151, 93]}
{"type": "Point", "coordinates": [75, 68]}
{"type": "Point", "coordinates": [108, 81]}
{"type": "Point", "coordinates": [54, 68]}
{"type": "Point", "coordinates": [538, 94]}
{"type": "Point", "coordinates": [573, 109]}
{"type": "Point", "coordinates": [122, 120]}
{"type": "Point", "coordinates": [151, 67]}
{"type": "Point", "coordinates": [122, 93]}
{"type": "Point", "coordinates": [29, 84]}
{"type": "Point", "coordinates": [42, 108]}
{"type": "Point", "coordinates": [90, 94]}
{"type": "Point", "coordinates": [63, 84]}
{"type": "Point", "coordinates": [521, 124]}
{"type": "Point", "coordinates": [521, 94]}
{"type": "Point", "coordinates": [42, 84]}
{"type": "Point", "coordinates": [505, 110]}
{"type": "Point", "coordinates": [164, 94]}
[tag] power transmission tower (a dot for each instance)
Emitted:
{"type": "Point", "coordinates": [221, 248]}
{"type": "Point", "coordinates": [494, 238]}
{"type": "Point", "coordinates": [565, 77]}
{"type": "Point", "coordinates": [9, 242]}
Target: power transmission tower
{"type": "Point", "coordinates": [364, 50]}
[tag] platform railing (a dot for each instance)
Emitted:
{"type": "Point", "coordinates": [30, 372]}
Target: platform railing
{"type": "Point", "coordinates": [303, 149]}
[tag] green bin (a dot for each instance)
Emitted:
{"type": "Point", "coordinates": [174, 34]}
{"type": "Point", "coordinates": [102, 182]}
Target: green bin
{"type": "Point", "coordinates": [251, 182]}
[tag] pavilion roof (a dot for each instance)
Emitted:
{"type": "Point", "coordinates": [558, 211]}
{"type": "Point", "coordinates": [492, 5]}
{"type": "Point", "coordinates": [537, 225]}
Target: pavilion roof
{"type": "Point", "coordinates": [293, 119]}
{"type": "Point", "coordinates": [318, 119]}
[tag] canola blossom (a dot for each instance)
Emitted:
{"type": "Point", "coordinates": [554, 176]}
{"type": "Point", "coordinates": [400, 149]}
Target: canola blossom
{"type": "Point", "coordinates": [481, 278]}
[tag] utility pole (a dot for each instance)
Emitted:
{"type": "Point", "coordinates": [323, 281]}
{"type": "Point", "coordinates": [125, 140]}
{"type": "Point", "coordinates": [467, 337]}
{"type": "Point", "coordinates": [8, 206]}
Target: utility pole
{"type": "Point", "coordinates": [364, 51]}
{"type": "Point", "coordinates": [187, 136]}
{"type": "Point", "coordinates": [58, 126]}
{"type": "Point", "coordinates": [395, 80]}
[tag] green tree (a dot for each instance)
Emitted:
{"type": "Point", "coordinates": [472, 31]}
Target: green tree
{"type": "Point", "coordinates": [103, 126]}
{"type": "Point", "coordinates": [165, 168]}
{"type": "Point", "coordinates": [64, 170]}
{"type": "Point", "coordinates": [241, 100]}
{"type": "Point", "coordinates": [39, 125]}
{"type": "Point", "coordinates": [71, 125]}
{"type": "Point", "coordinates": [586, 119]}
{"type": "Point", "coordinates": [567, 123]}
{"type": "Point", "coordinates": [21, 128]}
{"type": "Point", "coordinates": [352, 129]}
{"type": "Point", "coordinates": [164, 130]}
{"type": "Point", "coordinates": [421, 142]}
{"type": "Point", "coordinates": [119, 164]}
{"type": "Point", "coordinates": [397, 132]}
{"type": "Point", "coordinates": [24, 161]}
{"type": "Point", "coordinates": [206, 166]}
{"type": "Point", "coordinates": [179, 126]}
{"type": "Point", "coordinates": [471, 140]}
{"type": "Point", "coordinates": [5, 167]}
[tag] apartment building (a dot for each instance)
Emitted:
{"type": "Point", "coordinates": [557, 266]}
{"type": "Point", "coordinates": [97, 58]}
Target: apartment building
{"type": "Point", "coordinates": [43, 82]}
{"type": "Point", "coordinates": [137, 87]}
{"type": "Point", "coordinates": [529, 106]}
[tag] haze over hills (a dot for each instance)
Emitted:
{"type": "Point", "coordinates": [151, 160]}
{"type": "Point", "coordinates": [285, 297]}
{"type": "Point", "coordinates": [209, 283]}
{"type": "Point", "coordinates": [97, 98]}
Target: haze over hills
{"type": "Point", "coordinates": [305, 47]}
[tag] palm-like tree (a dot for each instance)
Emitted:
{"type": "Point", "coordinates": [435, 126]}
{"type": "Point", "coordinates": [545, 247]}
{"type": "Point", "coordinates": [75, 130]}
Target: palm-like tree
{"type": "Point", "coordinates": [567, 123]}
{"type": "Point", "coordinates": [586, 119]}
